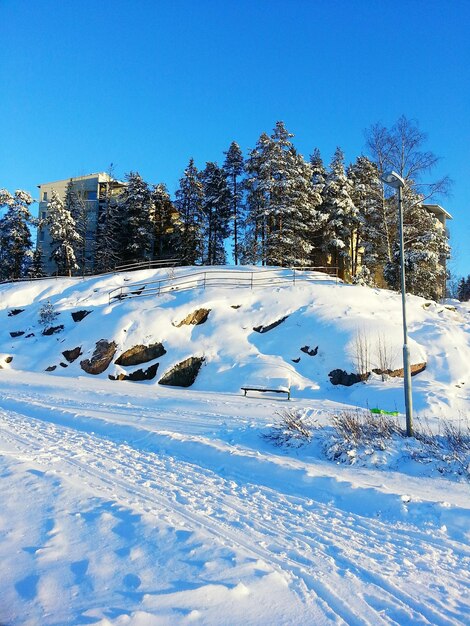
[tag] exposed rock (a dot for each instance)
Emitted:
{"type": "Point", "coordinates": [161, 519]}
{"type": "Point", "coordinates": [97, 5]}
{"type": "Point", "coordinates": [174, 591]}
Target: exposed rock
{"type": "Point", "coordinates": [28, 336]}
{"type": "Point", "coordinates": [415, 368]}
{"type": "Point", "coordinates": [195, 318]}
{"type": "Point", "coordinates": [102, 357]}
{"type": "Point", "coordinates": [52, 330]}
{"type": "Point", "coordinates": [51, 368]}
{"type": "Point", "coordinates": [77, 316]}
{"type": "Point", "coordinates": [184, 373]}
{"type": "Point", "coordinates": [340, 377]}
{"type": "Point", "coordinates": [147, 374]}
{"type": "Point", "coordinates": [309, 351]}
{"type": "Point", "coordinates": [15, 312]}
{"type": "Point", "coordinates": [63, 364]}
{"type": "Point", "coordinates": [265, 329]}
{"type": "Point", "coordinates": [72, 355]}
{"type": "Point", "coordinates": [296, 360]}
{"type": "Point", "coordinates": [235, 306]}
{"type": "Point", "coordinates": [119, 376]}
{"type": "Point", "coordinates": [141, 354]}
{"type": "Point", "coordinates": [17, 333]}
{"type": "Point", "coordinates": [8, 359]}
{"type": "Point", "coordinates": [141, 374]}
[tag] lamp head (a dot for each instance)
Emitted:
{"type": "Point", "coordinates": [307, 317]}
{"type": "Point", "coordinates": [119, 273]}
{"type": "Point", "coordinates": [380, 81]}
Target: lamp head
{"type": "Point", "coordinates": [393, 179]}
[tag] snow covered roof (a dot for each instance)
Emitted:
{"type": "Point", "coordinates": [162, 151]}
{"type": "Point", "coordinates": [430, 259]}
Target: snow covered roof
{"type": "Point", "coordinates": [438, 210]}
{"type": "Point", "coordinates": [101, 176]}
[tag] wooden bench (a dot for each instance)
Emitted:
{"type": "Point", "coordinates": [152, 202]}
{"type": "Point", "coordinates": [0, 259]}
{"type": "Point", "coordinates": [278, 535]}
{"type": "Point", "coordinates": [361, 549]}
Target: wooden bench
{"type": "Point", "coordinates": [266, 389]}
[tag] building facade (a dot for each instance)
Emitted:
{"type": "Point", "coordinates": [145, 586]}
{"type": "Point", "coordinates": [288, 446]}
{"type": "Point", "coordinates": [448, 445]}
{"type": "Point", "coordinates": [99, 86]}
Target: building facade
{"type": "Point", "coordinates": [91, 191]}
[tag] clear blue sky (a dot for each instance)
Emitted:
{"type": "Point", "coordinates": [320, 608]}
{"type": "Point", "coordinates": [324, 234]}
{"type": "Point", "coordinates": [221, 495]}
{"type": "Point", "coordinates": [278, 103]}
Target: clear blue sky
{"type": "Point", "coordinates": [146, 84]}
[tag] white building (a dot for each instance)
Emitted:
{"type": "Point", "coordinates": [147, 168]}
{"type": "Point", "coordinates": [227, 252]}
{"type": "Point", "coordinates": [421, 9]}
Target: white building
{"type": "Point", "coordinates": [91, 190]}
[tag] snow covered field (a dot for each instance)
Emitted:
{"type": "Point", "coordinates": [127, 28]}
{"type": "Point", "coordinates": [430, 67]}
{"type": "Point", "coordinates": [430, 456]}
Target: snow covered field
{"type": "Point", "coordinates": [139, 504]}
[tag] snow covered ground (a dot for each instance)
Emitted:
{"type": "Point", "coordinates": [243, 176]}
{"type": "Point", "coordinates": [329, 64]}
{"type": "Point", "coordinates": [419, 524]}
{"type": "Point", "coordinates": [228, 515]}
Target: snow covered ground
{"type": "Point", "coordinates": [138, 504]}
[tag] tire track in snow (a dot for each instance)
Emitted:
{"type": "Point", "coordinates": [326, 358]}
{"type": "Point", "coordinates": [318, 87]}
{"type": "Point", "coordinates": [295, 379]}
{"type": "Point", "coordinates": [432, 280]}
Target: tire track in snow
{"type": "Point", "coordinates": [276, 555]}
{"type": "Point", "coordinates": [360, 556]}
{"type": "Point", "coordinates": [107, 487]}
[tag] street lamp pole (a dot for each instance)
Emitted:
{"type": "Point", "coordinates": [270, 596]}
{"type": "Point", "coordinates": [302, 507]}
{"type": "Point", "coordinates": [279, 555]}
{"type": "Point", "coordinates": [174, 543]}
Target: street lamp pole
{"type": "Point", "coordinates": [397, 182]}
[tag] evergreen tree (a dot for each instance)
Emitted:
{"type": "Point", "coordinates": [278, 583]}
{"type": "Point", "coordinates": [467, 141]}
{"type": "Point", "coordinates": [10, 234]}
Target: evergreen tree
{"type": "Point", "coordinates": [166, 231]}
{"type": "Point", "coordinates": [318, 175]}
{"type": "Point", "coordinates": [463, 290]}
{"type": "Point", "coordinates": [254, 245]}
{"type": "Point", "coordinates": [318, 184]}
{"type": "Point", "coordinates": [366, 194]}
{"type": "Point", "coordinates": [63, 235]}
{"type": "Point", "coordinates": [189, 200]}
{"type": "Point", "coordinates": [75, 204]}
{"type": "Point", "coordinates": [283, 207]}
{"type": "Point", "coordinates": [234, 168]}
{"type": "Point", "coordinates": [15, 236]}
{"type": "Point", "coordinates": [342, 215]}
{"type": "Point", "coordinates": [108, 253]}
{"type": "Point", "coordinates": [47, 314]}
{"type": "Point", "coordinates": [301, 216]}
{"type": "Point", "coordinates": [137, 225]}
{"type": "Point", "coordinates": [467, 289]}
{"type": "Point", "coordinates": [216, 207]}
{"type": "Point", "coordinates": [36, 269]}
{"type": "Point", "coordinates": [425, 250]}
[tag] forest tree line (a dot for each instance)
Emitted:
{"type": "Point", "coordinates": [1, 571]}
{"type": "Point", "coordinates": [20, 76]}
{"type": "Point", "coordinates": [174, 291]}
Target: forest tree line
{"type": "Point", "coordinates": [273, 206]}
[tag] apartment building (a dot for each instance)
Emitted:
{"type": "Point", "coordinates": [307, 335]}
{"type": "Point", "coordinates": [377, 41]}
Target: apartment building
{"type": "Point", "coordinates": [91, 190]}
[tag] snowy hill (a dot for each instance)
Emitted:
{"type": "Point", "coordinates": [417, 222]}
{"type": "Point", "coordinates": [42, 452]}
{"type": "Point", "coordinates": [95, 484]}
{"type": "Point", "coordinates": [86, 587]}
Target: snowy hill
{"type": "Point", "coordinates": [135, 503]}
{"type": "Point", "coordinates": [319, 326]}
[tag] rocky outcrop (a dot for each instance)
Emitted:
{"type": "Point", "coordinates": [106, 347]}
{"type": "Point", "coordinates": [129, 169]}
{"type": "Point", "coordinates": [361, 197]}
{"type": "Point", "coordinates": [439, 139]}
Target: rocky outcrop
{"type": "Point", "coordinates": [184, 373]}
{"type": "Point", "coordinates": [340, 377]}
{"type": "Point", "coordinates": [15, 312]}
{"type": "Point", "coordinates": [141, 354]}
{"type": "Point", "coordinates": [72, 355]}
{"type": "Point", "coordinates": [77, 316]}
{"type": "Point", "coordinates": [51, 368]}
{"type": "Point", "coordinates": [147, 374]}
{"type": "Point", "coordinates": [8, 359]}
{"type": "Point", "coordinates": [195, 318]}
{"type": "Point", "coordinates": [16, 333]}
{"type": "Point", "coordinates": [102, 357]}
{"type": "Point", "coordinates": [52, 330]}
{"type": "Point", "coordinates": [265, 329]}
{"type": "Point", "coordinates": [415, 368]}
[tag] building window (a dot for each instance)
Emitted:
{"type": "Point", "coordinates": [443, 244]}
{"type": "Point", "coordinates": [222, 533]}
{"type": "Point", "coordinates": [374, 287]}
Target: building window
{"type": "Point", "coordinates": [44, 196]}
{"type": "Point", "coordinates": [91, 195]}
{"type": "Point", "coordinates": [41, 235]}
{"type": "Point", "coordinates": [43, 215]}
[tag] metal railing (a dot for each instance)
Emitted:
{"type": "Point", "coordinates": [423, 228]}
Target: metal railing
{"type": "Point", "coordinates": [130, 267]}
{"type": "Point", "coordinates": [147, 265]}
{"type": "Point", "coordinates": [223, 278]}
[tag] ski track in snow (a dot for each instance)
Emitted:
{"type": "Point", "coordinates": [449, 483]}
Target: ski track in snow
{"type": "Point", "coordinates": [343, 565]}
